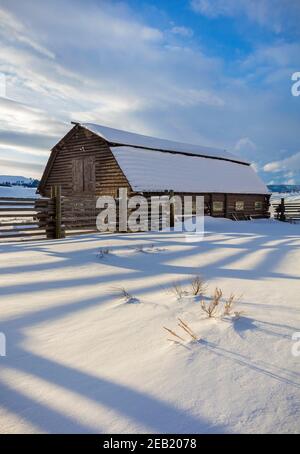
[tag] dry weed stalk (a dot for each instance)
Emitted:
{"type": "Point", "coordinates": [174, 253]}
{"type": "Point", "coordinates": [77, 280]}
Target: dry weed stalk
{"type": "Point", "coordinates": [173, 333]}
{"type": "Point", "coordinates": [177, 289]}
{"type": "Point", "coordinates": [238, 314]}
{"type": "Point", "coordinates": [186, 328]}
{"type": "Point", "coordinates": [103, 253]}
{"type": "Point", "coordinates": [123, 293]}
{"type": "Point", "coordinates": [229, 303]}
{"type": "Point", "coordinates": [211, 308]}
{"type": "Point", "coordinates": [198, 286]}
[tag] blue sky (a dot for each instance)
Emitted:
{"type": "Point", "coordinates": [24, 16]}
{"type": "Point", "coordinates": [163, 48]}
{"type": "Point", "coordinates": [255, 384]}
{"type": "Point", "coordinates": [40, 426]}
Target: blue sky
{"type": "Point", "coordinates": [214, 72]}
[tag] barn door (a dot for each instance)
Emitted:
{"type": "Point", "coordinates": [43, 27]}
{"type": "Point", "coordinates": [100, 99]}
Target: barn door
{"type": "Point", "coordinates": [77, 173]}
{"type": "Point", "coordinates": [83, 171]}
{"type": "Point", "coordinates": [89, 174]}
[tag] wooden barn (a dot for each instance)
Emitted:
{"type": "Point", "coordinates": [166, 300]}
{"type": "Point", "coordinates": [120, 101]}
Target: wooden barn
{"type": "Point", "coordinates": [93, 160]}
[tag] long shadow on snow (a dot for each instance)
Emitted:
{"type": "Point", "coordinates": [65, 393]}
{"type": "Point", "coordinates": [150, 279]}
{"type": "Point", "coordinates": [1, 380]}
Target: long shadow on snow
{"type": "Point", "coordinates": [138, 265]}
{"type": "Point", "coordinates": [158, 416]}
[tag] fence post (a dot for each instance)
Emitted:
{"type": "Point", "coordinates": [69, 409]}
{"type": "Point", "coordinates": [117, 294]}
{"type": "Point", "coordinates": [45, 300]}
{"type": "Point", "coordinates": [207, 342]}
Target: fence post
{"type": "Point", "coordinates": [56, 197]}
{"type": "Point", "coordinates": [58, 212]}
{"type": "Point", "coordinates": [172, 210]}
{"type": "Point", "coordinates": [282, 216]}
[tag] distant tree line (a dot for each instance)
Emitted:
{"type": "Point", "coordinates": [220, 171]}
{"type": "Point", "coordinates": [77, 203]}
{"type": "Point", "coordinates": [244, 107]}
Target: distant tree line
{"type": "Point", "coordinates": [31, 184]}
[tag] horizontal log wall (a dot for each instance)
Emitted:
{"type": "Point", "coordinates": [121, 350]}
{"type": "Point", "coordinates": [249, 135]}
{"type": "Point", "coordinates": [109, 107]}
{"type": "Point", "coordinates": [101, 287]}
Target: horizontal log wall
{"type": "Point", "coordinates": [229, 201]}
{"type": "Point", "coordinates": [84, 144]}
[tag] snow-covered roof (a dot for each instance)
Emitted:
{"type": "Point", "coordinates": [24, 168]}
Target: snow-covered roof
{"type": "Point", "coordinates": [118, 137]}
{"type": "Point", "coordinates": [155, 171]}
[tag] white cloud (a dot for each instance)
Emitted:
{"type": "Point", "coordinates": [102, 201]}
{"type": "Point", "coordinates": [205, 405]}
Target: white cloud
{"type": "Point", "coordinates": [13, 167]}
{"type": "Point", "coordinates": [212, 8]}
{"type": "Point", "coordinates": [111, 67]}
{"type": "Point", "coordinates": [20, 117]}
{"type": "Point", "coordinates": [119, 86]}
{"type": "Point", "coordinates": [277, 55]}
{"type": "Point", "coordinates": [13, 30]}
{"type": "Point", "coordinates": [182, 31]}
{"type": "Point", "coordinates": [291, 164]}
{"type": "Point", "coordinates": [276, 15]}
{"type": "Point", "coordinates": [245, 145]}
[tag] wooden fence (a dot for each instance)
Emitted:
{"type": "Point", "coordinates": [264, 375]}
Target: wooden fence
{"type": "Point", "coordinates": [19, 218]}
{"type": "Point", "coordinates": [286, 211]}
{"type": "Point", "coordinates": [57, 217]}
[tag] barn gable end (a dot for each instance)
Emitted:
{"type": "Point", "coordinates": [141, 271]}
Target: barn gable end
{"type": "Point", "coordinates": [83, 165]}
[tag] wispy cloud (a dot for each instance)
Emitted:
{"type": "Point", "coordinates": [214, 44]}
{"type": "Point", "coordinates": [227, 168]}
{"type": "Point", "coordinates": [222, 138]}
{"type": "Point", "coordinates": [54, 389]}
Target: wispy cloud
{"type": "Point", "coordinates": [13, 30]}
{"type": "Point", "coordinates": [291, 164]}
{"type": "Point", "coordinates": [182, 31]}
{"type": "Point", "coordinates": [107, 63]}
{"type": "Point", "coordinates": [277, 15]}
{"type": "Point", "coordinates": [11, 167]}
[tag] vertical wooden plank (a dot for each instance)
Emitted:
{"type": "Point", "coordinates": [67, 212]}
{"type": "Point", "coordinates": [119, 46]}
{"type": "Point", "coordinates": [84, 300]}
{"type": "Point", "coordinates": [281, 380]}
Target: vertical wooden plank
{"type": "Point", "coordinates": [172, 210]}
{"type": "Point", "coordinates": [77, 175]}
{"type": "Point", "coordinates": [226, 206]}
{"type": "Point", "coordinates": [50, 222]}
{"type": "Point", "coordinates": [282, 211]}
{"type": "Point", "coordinates": [89, 174]}
{"type": "Point", "coordinates": [58, 212]}
{"type": "Point", "coordinates": [211, 200]}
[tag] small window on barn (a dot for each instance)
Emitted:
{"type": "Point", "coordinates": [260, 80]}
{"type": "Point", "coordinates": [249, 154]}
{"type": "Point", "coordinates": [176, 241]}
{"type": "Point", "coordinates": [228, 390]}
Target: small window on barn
{"type": "Point", "coordinates": [258, 205]}
{"type": "Point", "coordinates": [239, 205]}
{"type": "Point", "coordinates": [218, 206]}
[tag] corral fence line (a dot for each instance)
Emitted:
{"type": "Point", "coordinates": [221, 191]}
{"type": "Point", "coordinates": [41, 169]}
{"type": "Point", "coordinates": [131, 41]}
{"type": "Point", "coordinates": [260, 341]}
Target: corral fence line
{"type": "Point", "coordinates": [59, 216]}
{"type": "Point", "coordinates": [18, 218]}
{"type": "Point", "coordinates": [78, 215]}
{"type": "Point", "coordinates": [41, 218]}
{"type": "Point", "coordinates": [54, 217]}
{"type": "Point", "coordinates": [286, 211]}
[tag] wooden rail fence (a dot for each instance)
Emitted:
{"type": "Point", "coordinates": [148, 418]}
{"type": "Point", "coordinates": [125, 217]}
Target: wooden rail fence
{"type": "Point", "coordinates": [286, 211]}
{"type": "Point", "coordinates": [57, 216]}
{"type": "Point", "coordinates": [19, 218]}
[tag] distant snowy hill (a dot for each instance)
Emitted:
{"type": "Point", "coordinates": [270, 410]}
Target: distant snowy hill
{"type": "Point", "coordinates": [290, 192]}
{"type": "Point", "coordinates": [17, 186]}
{"type": "Point", "coordinates": [284, 187]}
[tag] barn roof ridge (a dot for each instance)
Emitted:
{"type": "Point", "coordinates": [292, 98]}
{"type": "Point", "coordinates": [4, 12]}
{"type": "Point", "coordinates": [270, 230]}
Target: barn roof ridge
{"type": "Point", "coordinates": [117, 137]}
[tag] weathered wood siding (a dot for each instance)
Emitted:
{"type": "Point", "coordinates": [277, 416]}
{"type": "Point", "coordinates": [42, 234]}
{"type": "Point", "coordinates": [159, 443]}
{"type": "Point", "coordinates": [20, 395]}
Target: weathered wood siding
{"type": "Point", "coordinates": [85, 168]}
{"type": "Point", "coordinates": [85, 154]}
{"type": "Point", "coordinates": [228, 201]}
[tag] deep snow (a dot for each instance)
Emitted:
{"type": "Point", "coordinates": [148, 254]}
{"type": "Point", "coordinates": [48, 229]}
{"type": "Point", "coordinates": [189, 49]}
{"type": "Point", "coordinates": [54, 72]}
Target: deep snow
{"type": "Point", "coordinates": [18, 191]}
{"type": "Point", "coordinates": [155, 171]}
{"type": "Point", "coordinates": [82, 359]}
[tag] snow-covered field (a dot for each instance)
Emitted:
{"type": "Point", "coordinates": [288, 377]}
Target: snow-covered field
{"type": "Point", "coordinates": [18, 191]}
{"type": "Point", "coordinates": [288, 196]}
{"type": "Point", "coordinates": [81, 358]}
